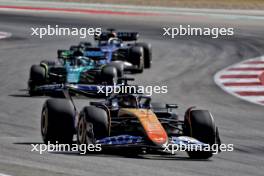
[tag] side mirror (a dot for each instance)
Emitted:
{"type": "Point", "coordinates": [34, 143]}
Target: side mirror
{"type": "Point", "coordinates": [172, 106]}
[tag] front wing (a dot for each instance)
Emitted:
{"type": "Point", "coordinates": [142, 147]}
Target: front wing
{"type": "Point", "coordinates": [77, 88]}
{"type": "Point", "coordinates": [128, 141]}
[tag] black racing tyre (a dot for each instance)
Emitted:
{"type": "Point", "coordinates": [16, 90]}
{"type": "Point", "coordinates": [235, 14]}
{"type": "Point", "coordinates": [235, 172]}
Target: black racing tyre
{"type": "Point", "coordinates": [93, 124]}
{"type": "Point", "coordinates": [137, 58]}
{"type": "Point", "coordinates": [57, 121]}
{"type": "Point", "coordinates": [109, 75]}
{"type": "Point", "coordinates": [147, 54]}
{"type": "Point", "coordinates": [37, 76]}
{"type": "Point", "coordinates": [200, 125]}
{"type": "Point", "coordinates": [119, 67]}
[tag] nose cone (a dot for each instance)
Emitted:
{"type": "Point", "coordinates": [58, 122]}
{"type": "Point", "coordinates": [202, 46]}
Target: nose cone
{"type": "Point", "coordinates": [154, 130]}
{"type": "Point", "coordinates": [158, 137]}
{"type": "Point", "coordinates": [73, 75]}
{"type": "Point", "coordinates": [152, 126]}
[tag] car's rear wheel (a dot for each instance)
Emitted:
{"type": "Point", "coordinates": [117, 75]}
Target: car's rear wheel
{"type": "Point", "coordinates": [57, 121]}
{"type": "Point", "coordinates": [200, 125]}
{"type": "Point", "coordinates": [93, 124]}
{"type": "Point", "coordinates": [137, 58]}
{"type": "Point", "coordinates": [119, 67]}
{"type": "Point", "coordinates": [109, 75]}
{"type": "Point", "coordinates": [147, 54]}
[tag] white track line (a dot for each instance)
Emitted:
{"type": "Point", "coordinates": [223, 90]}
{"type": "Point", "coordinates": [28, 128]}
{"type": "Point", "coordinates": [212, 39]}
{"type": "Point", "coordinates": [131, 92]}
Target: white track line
{"type": "Point", "coordinates": [5, 35]}
{"type": "Point", "coordinates": [228, 72]}
{"type": "Point", "coordinates": [209, 13]}
{"type": "Point", "coordinates": [1, 174]}
{"type": "Point", "coordinates": [238, 80]}
{"type": "Point", "coordinates": [245, 88]}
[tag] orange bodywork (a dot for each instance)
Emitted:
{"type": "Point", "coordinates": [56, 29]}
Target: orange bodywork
{"type": "Point", "coordinates": [149, 121]}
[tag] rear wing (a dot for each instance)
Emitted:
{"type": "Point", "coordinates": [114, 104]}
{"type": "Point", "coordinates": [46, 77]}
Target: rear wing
{"type": "Point", "coordinates": [160, 107]}
{"type": "Point", "coordinates": [128, 36]}
{"type": "Point", "coordinates": [66, 54]}
{"type": "Point", "coordinates": [171, 106]}
{"type": "Point", "coordinates": [63, 54]}
{"type": "Point", "coordinates": [94, 53]}
{"type": "Point", "coordinates": [124, 36]}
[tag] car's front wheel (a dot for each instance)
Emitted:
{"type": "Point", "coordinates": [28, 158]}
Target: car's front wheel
{"type": "Point", "coordinates": [57, 121]}
{"type": "Point", "coordinates": [200, 125]}
{"type": "Point", "coordinates": [93, 124]}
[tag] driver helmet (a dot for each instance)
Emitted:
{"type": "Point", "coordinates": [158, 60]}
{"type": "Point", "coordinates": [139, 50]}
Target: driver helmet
{"type": "Point", "coordinates": [128, 102]}
{"type": "Point", "coordinates": [112, 35]}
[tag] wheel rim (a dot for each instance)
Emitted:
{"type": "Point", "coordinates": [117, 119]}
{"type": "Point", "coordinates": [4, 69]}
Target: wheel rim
{"type": "Point", "coordinates": [44, 123]}
{"type": "Point", "coordinates": [115, 80]}
{"type": "Point", "coordinates": [82, 131]}
{"type": "Point", "coordinates": [141, 64]}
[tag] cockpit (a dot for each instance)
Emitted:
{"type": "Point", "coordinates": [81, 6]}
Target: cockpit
{"type": "Point", "coordinates": [79, 61]}
{"type": "Point", "coordinates": [111, 42]}
{"type": "Point", "coordinates": [130, 101]}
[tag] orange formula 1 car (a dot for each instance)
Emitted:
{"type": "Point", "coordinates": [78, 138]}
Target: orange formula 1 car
{"type": "Point", "coordinates": [132, 122]}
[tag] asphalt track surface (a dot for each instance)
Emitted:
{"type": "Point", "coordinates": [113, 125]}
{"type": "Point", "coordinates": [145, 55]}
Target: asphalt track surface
{"type": "Point", "coordinates": [185, 64]}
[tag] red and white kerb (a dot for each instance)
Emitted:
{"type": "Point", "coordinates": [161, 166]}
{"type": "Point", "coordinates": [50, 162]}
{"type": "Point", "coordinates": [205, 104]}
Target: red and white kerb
{"type": "Point", "coordinates": [244, 80]}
